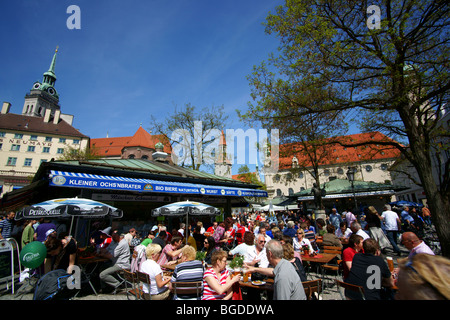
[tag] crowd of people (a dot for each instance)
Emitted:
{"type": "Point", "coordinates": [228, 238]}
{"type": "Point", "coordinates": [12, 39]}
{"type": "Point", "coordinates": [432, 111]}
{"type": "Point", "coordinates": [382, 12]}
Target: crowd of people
{"type": "Point", "coordinates": [270, 245]}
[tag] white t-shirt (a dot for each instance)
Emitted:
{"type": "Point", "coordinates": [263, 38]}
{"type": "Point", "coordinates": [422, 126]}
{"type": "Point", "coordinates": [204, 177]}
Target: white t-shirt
{"type": "Point", "coordinates": [347, 233]}
{"type": "Point", "coordinates": [390, 220]}
{"type": "Point", "coordinates": [305, 242]}
{"type": "Point", "coordinates": [363, 234]}
{"type": "Point", "coordinates": [252, 254]}
{"type": "Point", "coordinates": [152, 269]}
{"type": "Point", "coordinates": [242, 249]}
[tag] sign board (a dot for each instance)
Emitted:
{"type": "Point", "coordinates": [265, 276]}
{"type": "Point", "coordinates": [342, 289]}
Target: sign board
{"type": "Point", "coordinates": [8, 262]}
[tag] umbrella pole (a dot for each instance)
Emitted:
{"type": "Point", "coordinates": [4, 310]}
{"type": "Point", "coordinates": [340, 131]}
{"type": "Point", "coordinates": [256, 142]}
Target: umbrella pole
{"type": "Point", "coordinates": [187, 227]}
{"type": "Point", "coordinates": [71, 224]}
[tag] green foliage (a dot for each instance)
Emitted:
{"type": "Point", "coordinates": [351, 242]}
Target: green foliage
{"type": "Point", "coordinates": [200, 256]}
{"type": "Point", "coordinates": [71, 153]}
{"type": "Point", "coordinates": [237, 262]}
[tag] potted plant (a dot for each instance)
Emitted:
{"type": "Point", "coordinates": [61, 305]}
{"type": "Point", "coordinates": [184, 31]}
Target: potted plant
{"type": "Point", "coordinates": [237, 263]}
{"type": "Point", "coordinates": [200, 256]}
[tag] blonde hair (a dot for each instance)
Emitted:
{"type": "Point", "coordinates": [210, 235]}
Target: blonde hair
{"type": "Point", "coordinates": [217, 256]}
{"type": "Point", "coordinates": [151, 249]}
{"type": "Point", "coordinates": [372, 210]}
{"type": "Point", "coordinates": [189, 252]}
{"type": "Point", "coordinates": [288, 251]}
{"type": "Point", "coordinates": [424, 277]}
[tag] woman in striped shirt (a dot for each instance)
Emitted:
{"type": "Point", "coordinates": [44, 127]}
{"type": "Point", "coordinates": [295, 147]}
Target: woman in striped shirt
{"type": "Point", "coordinates": [217, 281]}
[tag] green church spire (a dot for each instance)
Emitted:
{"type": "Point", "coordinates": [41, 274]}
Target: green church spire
{"type": "Point", "coordinates": [49, 76]}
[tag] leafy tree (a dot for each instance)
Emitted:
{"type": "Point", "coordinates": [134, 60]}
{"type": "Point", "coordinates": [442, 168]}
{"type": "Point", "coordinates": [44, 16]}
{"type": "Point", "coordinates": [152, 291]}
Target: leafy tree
{"type": "Point", "coordinates": [71, 153]}
{"type": "Point", "coordinates": [391, 78]}
{"type": "Point", "coordinates": [194, 133]}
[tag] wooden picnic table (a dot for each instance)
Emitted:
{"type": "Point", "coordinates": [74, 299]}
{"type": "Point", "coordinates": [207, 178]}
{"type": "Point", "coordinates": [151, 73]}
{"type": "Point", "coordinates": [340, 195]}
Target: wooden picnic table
{"type": "Point", "coordinates": [321, 258]}
{"type": "Point", "coordinates": [268, 285]}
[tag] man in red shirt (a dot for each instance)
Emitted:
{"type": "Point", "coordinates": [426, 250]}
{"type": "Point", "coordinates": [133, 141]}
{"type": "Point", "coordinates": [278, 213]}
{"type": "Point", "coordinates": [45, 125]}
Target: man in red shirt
{"type": "Point", "coordinates": [355, 243]}
{"type": "Point", "coordinates": [212, 228]}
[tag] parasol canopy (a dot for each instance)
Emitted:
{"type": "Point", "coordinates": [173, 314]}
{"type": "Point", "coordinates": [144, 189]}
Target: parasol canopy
{"type": "Point", "coordinates": [69, 208]}
{"type": "Point", "coordinates": [186, 208]}
{"type": "Point", "coordinates": [183, 208]}
{"type": "Point", "coordinates": [402, 203]}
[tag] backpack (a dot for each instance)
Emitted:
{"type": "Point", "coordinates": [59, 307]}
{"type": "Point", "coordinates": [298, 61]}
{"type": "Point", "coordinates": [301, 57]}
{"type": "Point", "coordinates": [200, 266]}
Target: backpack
{"type": "Point", "coordinates": [53, 286]}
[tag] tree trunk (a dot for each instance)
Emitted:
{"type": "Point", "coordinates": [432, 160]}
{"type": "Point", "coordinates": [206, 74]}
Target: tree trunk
{"type": "Point", "coordinates": [438, 198]}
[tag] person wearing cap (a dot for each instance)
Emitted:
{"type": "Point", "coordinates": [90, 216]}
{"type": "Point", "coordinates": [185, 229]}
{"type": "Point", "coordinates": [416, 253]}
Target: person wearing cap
{"type": "Point", "coordinates": [151, 235]}
{"type": "Point", "coordinates": [104, 239]}
{"type": "Point", "coordinates": [41, 230]}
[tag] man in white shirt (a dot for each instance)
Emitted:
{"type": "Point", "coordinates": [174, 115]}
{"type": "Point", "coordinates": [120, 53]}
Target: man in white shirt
{"type": "Point", "coordinates": [257, 255]}
{"type": "Point", "coordinates": [415, 245]}
{"type": "Point", "coordinates": [392, 223]}
{"type": "Point", "coordinates": [356, 229]}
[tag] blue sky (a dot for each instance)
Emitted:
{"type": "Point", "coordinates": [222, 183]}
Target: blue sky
{"type": "Point", "coordinates": [133, 59]}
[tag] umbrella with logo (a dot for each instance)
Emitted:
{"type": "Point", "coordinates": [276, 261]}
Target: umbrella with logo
{"type": "Point", "coordinates": [402, 203]}
{"type": "Point", "coordinates": [186, 208]}
{"type": "Point", "coordinates": [69, 208]}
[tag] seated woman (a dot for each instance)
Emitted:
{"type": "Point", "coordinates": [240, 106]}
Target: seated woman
{"type": "Point", "coordinates": [217, 281]}
{"type": "Point", "coordinates": [189, 270]}
{"type": "Point", "coordinates": [301, 241]}
{"type": "Point", "coordinates": [209, 246]}
{"type": "Point", "coordinates": [288, 250]}
{"type": "Point", "coordinates": [158, 289]}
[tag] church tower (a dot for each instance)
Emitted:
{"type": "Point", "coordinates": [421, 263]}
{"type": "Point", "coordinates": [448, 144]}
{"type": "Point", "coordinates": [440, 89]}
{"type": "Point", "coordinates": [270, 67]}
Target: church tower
{"type": "Point", "coordinates": [43, 95]}
{"type": "Point", "coordinates": [222, 166]}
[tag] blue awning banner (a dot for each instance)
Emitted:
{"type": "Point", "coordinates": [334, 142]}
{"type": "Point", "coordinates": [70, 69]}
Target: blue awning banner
{"type": "Point", "coordinates": [92, 181]}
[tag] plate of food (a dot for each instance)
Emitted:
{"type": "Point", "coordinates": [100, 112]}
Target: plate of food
{"type": "Point", "coordinates": [258, 283]}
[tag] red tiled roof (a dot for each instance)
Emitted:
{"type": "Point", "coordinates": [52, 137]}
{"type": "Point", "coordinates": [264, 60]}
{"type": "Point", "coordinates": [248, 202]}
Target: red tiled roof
{"type": "Point", "coordinates": [113, 146]}
{"type": "Point", "coordinates": [335, 153]}
{"type": "Point", "coordinates": [18, 122]}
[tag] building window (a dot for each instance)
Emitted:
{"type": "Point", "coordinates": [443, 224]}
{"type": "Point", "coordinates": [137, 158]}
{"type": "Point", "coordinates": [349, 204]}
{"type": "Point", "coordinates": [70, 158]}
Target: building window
{"type": "Point", "coordinates": [1, 145]}
{"type": "Point", "coordinates": [302, 188]}
{"type": "Point", "coordinates": [291, 191]}
{"type": "Point", "coordinates": [384, 166]}
{"type": "Point", "coordinates": [43, 160]}
{"type": "Point", "coordinates": [300, 175]}
{"type": "Point", "coordinates": [46, 150]}
{"type": "Point", "coordinates": [48, 139]}
{"type": "Point", "coordinates": [279, 193]}
{"type": "Point", "coordinates": [369, 168]}
{"type": "Point", "coordinates": [27, 162]}
{"type": "Point", "coordinates": [18, 136]}
{"type": "Point", "coordinates": [11, 161]}
{"type": "Point", "coordinates": [76, 141]}
{"type": "Point", "coordinates": [2, 134]}
{"type": "Point", "coordinates": [62, 140]}
{"type": "Point", "coordinates": [131, 156]}
{"type": "Point", "coordinates": [33, 137]}
{"type": "Point", "coordinates": [144, 157]}
{"type": "Point", "coordinates": [60, 151]}
{"type": "Point", "coordinates": [31, 148]}
{"type": "Point", "coordinates": [326, 172]}
{"type": "Point", "coordinates": [15, 147]}
{"type": "Point", "coordinates": [340, 171]}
